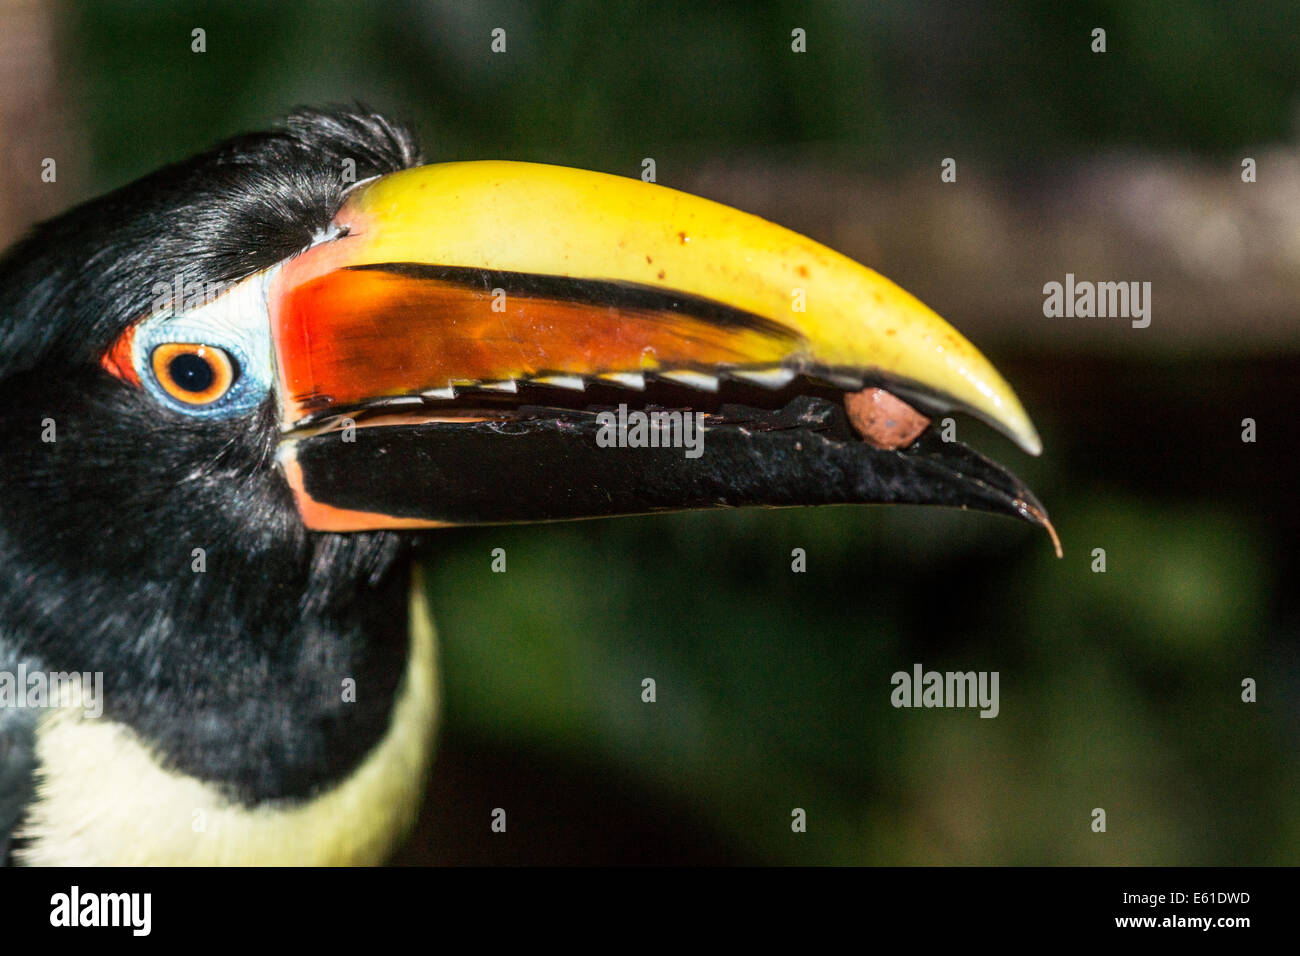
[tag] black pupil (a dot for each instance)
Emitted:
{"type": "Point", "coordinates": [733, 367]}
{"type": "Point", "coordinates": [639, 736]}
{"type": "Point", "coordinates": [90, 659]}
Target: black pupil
{"type": "Point", "coordinates": [191, 372]}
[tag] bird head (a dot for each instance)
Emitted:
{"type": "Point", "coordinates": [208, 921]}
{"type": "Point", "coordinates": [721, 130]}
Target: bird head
{"type": "Point", "coordinates": [230, 389]}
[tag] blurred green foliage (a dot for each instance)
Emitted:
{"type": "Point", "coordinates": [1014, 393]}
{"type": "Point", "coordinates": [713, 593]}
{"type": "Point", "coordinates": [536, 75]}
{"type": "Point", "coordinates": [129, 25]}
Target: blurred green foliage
{"type": "Point", "coordinates": [602, 85]}
{"type": "Point", "coordinates": [1119, 690]}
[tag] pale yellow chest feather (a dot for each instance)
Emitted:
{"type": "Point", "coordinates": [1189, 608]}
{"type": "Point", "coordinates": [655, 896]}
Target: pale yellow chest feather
{"type": "Point", "coordinates": [103, 799]}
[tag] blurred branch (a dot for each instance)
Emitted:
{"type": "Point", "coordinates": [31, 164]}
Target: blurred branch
{"type": "Point", "coordinates": [34, 122]}
{"type": "Point", "coordinates": [1223, 256]}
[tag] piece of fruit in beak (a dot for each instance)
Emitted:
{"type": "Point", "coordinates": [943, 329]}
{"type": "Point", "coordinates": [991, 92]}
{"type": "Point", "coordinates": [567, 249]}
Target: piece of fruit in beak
{"type": "Point", "coordinates": [474, 317]}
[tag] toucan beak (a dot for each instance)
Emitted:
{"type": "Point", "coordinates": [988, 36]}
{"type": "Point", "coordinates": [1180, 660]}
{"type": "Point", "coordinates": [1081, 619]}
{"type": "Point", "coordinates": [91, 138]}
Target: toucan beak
{"type": "Point", "coordinates": [445, 354]}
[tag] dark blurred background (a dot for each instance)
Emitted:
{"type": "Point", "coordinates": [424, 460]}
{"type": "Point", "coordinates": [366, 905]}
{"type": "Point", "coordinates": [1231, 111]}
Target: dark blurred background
{"type": "Point", "coordinates": [1119, 690]}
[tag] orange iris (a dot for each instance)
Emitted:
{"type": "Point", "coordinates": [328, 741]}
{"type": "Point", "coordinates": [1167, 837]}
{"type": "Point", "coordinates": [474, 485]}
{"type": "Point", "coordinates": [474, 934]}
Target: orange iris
{"type": "Point", "coordinates": [192, 373]}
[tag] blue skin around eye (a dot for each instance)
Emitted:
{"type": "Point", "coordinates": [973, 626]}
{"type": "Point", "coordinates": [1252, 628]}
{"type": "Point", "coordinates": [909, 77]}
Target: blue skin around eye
{"type": "Point", "coordinates": [245, 394]}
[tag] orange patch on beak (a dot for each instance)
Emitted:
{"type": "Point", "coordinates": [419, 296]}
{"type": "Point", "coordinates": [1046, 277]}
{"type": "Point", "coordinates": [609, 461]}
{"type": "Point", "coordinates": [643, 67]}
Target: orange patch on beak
{"type": "Point", "coordinates": [358, 334]}
{"type": "Point", "coordinates": [318, 516]}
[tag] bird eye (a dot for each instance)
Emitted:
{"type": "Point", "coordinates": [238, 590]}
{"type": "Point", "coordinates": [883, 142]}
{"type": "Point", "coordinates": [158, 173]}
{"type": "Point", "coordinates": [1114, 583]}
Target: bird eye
{"type": "Point", "coordinates": [210, 362]}
{"type": "Point", "coordinates": [192, 373]}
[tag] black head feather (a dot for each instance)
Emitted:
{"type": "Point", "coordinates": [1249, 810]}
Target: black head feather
{"type": "Point", "coordinates": [233, 674]}
{"type": "Point", "coordinates": [76, 281]}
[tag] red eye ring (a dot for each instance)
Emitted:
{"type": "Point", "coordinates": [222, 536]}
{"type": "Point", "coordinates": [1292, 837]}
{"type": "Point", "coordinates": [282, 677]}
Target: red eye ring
{"type": "Point", "coordinates": [119, 360]}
